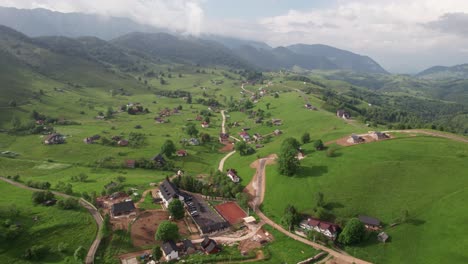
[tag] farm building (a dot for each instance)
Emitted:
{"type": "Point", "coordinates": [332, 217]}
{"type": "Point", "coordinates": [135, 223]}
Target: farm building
{"type": "Point", "coordinates": [223, 138]}
{"type": "Point", "coordinates": [159, 159]}
{"type": "Point", "coordinates": [168, 191]}
{"type": "Point", "coordinates": [276, 122]}
{"type": "Point", "coordinates": [170, 250]}
{"type": "Point", "coordinates": [310, 107]}
{"type": "Point", "coordinates": [130, 164]}
{"type": "Point", "coordinates": [123, 143]}
{"type": "Point", "coordinates": [245, 136]}
{"type": "Point", "coordinates": [159, 120]}
{"type": "Point", "coordinates": [328, 229]}
{"type": "Point", "coordinates": [188, 246]}
{"type": "Point", "coordinates": [382, 237]}
{"type": "Point", "coordinates": [205, 124]}
{"type": "Point", "coordinates": [122, 208]}
{"type": "Point", "coordinates": [378, 135]}
{"type": "Point", "coordinates": [181, 153]}
{"type": "Point", "coordinates": [370, 223]}
{"type": "Point", "coordinates": [54, 139]}
{"type": "Point", "coordinates": [209, 246]}
{"type": "Point", "coordinates": [232, 174]}
{"type": "Point", "coordinates": [257, 137]}
{"type": "Point", "coordinates": [343, 114]}
{"type": "Point", "coordinates": [355, 139]}
{"type": "Point", "coordinates": [88, 140]}
{"type": "Point", "coordinates": [277, 132]}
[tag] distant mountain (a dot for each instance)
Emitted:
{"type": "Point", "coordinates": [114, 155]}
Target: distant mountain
{"type": "Point", "coordinates": [309, 57]}
{"type": "Point", "coordinates": [344, 60]}
{"type": "Point", "coordinates": [235, 43]}
{"type": "Point", "coordinates": [44, 22]}
{"type": "Point", "coordinates": [442, 72]}
{"type": "Point", "coordinates": [181, 49]}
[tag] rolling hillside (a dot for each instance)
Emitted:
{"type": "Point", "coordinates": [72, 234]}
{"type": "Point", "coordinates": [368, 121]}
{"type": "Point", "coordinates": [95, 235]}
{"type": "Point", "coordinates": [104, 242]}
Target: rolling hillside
{"type": "Point", "coordinates": [444, 73]}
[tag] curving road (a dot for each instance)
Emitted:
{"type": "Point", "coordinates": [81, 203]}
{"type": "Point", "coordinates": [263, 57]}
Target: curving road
{"type": "Point", "coordinates": [259, 195]}
{"type": "Point", "coordinates": [88, 206]}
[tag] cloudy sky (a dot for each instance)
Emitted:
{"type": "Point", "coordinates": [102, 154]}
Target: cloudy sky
{"type": "Point", "coordinates": [402, 35]}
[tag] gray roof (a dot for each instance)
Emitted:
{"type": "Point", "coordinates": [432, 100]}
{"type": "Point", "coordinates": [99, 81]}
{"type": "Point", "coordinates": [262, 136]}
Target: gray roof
{"type": "Point", "coordinates": [169, 246]}
{"type": "Point", "coordinates": [123, 207]}
{"type": "Point", "coordinates": [168, 190]}
{"type": "Point", "coordinates": [369, 220]}
{"type": "Point", "coordinates": [188, 244]}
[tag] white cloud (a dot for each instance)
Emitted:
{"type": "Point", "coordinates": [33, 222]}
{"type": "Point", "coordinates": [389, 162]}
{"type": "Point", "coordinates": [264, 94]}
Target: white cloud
{"type": "Point", "coordinates": [390, 31]}
{"type": "Point", "coordinates": [180, 15]}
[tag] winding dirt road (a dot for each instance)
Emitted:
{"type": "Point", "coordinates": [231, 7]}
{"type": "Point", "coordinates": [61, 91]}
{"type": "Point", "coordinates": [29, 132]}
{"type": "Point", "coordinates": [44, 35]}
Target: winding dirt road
{"type": "Point", "coordinates": [88, 206]}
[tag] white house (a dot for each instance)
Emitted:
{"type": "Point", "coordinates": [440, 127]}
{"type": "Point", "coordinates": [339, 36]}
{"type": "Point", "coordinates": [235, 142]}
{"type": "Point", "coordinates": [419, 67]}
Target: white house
{"type": "Point", "coordinates": [168, 192]}
{"type": "Point", "coordinates": [232, 174]}
{"type": "Point", "coordinates": [328, 229]}
{"type": "Point", "coordinates": [170, 250]}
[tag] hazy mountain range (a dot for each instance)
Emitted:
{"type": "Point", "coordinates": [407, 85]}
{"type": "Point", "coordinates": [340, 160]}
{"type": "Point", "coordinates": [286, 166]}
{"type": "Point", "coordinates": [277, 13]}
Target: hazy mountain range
{"type": "Point", "coordinates": [177, 47]}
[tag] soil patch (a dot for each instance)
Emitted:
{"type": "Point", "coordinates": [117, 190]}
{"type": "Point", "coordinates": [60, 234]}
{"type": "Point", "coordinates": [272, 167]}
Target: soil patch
{"type": "Point", "coordinates": [227, 147]}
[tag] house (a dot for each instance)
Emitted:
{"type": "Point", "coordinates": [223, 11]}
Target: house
{"type": "Point", "coordinates": [355, 139]}
{"type": "Point", "coordinates": [159, 120]}
{"type": "Point", "coordinates": [170, 250]}
{"type": "Point", "coordinates": [205, 124]}
{"type": "Point", "coordinates": [122, 208]}
{"type": "Point", "coordinates": [343, 114]}
{"type": "Point", "coordinates": [223, 138]}
{"type": "Point", "coordinates": [300, 154]}
{"type": "Point", "coordinates": [123, 142]}
{"type": "Point", "coordinates": [54, 138]}
{"type": "Point", "coordinates": [209, 246]}
{"type": "Point", "coordinates": [88, 140]}
{"type": "Point", "coordinates": [276, 122]}
{"type": "Point", "coordinates": [382, 237]}
{"type": "Point", "coordinates": [181, 153]}
{"type": "Point", "coordinates": [168, 191]}
{"type": "Point", "coordinates": [130, 164]}
{"type": "Point", "coordinates": [370, 223]}
{"type": "Point", "coordinates": [245, 136]}
{"type": "Point", "coordinates": [310, 107]}
{"type": "Point", "coordinates": [326, 228]}
{"type": "Point", "coordinates": [110, 185]}
{"type": "Point", "coordinates": [159, 160]}
{"type": "Point", "coordinates": [277, 132]}
{"type": "Point", "coordinates": [232, 174]}
{"type": "Point", "coordinates": [194, 142]}
{"type": "Point", "coordinates": [378, 135]}
{"type": "Point", "coordinates": [188, 246]}
{"type": "Point", "coordinates": [257, 137]}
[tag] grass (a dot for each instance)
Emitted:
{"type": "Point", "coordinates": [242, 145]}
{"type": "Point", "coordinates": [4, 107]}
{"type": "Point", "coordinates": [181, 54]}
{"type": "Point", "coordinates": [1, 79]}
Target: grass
{"type": "Point", "coordinates": [286, 250]}
{"type": "Point", "coordinates": [148, 204]}
{"type": "Point", "coordinates": [423, 175]}
{"type": "Point", "coordinates": [54, 226]}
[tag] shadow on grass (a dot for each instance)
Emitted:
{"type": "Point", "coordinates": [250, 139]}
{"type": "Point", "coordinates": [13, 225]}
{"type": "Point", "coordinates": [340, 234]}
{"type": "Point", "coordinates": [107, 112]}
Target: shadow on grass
{"type": "Point", "coordinates": [333, 205]}
{"type": "Point", "coordinates": [416, 222]}
{"type": "Point", "coordinates": [313, 171]}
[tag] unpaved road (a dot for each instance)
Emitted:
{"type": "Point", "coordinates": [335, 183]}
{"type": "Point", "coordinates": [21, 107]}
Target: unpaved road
{"type": "Point", "coordinates": [261, 178]}
{"type": "Point", "coordinates": [91, 209]}
{"type": "Point", "coordinates": [221, 162]}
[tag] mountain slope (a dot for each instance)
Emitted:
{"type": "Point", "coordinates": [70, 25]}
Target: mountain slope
{"type": "Point", "coordinates": [181, 49]}
{"type": "Point", "coordinates": [343, 59]}
{"type": "Point", "coordinates": [43, 22]}
{"type": "Point", "coordinates": [442, 72]}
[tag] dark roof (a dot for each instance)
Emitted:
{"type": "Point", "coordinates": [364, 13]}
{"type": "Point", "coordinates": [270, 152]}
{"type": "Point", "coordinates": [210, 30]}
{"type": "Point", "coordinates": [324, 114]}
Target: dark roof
{"type": "Point", "coordinates": [205, 242]}
{"type": "Point", "coordinates": [159, 158]}
{"type": "Point", "coordinates": [169, 246]}
{"type": "Point", "coordinates": [209, 245]}
{"type": "Point", "coordinates": [168, 190]}
{"type": "Point", "coordinates": [369, 220]}
{"type": "Point", "coordinates": [123, 207]}
{"type": "Point", "coordinates": [188, 244]}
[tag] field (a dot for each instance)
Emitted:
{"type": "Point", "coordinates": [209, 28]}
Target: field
{"type": "Point", "coordinates": [53, 227]}
{"type": "Point", "coordinates": [424, 175]}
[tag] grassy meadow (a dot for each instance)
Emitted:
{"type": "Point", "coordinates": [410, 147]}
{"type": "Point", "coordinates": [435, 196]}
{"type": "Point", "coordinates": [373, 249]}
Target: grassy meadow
{"type": "Point", "coordinates": [426, 176]}
{"type": "Point", "coordinates": [53, 227]}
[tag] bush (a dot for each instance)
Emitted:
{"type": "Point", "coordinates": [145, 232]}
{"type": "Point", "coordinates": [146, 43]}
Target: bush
{"type": "Point", "coordinates": [36, 252]}
{"type": "Point", "coordinates": [68, 204]}
{"type": "Point", "coordinates": [38, 185]}
{"type": "Point", "coordinates": [40, 197]}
